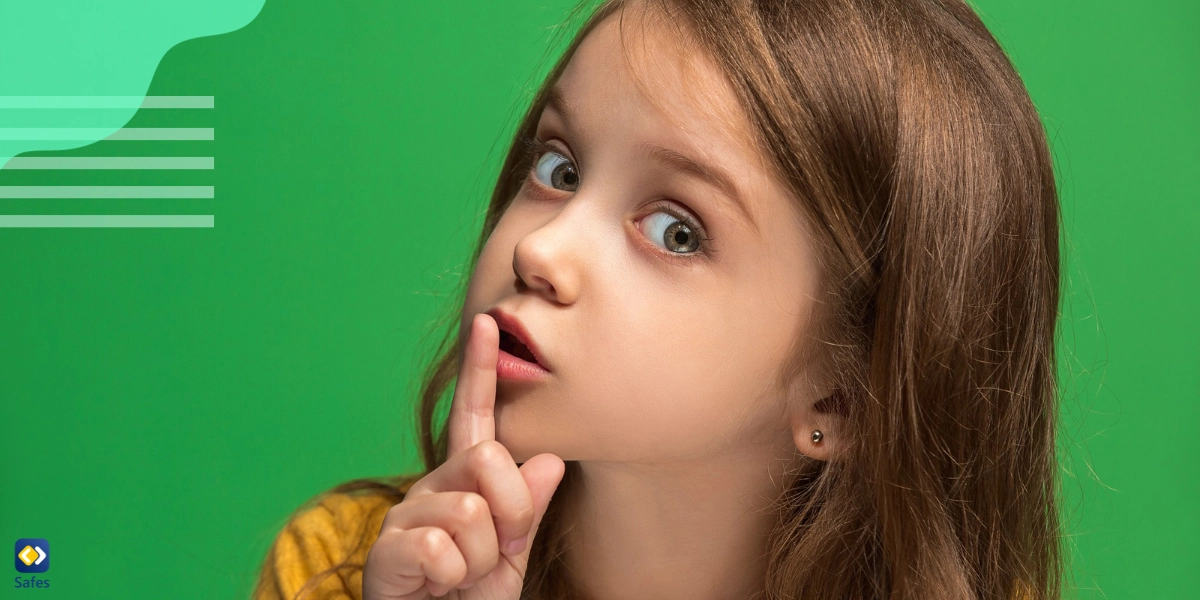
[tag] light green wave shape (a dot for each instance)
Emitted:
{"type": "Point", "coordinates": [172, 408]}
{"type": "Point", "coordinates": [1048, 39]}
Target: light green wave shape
{"type": "Point", "coordinates": [95, 48]}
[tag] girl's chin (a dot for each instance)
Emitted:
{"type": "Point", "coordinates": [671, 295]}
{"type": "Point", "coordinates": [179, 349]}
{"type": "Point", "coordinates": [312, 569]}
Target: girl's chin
{"type": "Point", "coordinates": [513, 431]}
{"type": "Point", "coordinates": [527, 426]}
{"type": "Point", "coordinates": [524, 445]}
{"type": "Point", "coordinates": [520, 452]}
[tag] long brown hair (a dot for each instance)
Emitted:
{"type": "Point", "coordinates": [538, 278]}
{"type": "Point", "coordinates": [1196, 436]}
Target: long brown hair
{"type": "Point", "coordinates": [921, 163]}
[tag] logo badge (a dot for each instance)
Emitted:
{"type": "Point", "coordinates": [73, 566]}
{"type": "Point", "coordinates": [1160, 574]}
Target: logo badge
{"type": "Point", "coordinates": [32, 555]}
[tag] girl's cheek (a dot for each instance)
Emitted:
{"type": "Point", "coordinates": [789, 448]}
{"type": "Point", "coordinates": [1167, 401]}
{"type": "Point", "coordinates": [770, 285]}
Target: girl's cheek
{"type": "Point", "coordinates": [488, 270]}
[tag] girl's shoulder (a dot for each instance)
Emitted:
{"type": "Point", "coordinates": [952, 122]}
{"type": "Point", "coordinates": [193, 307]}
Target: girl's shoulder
{"type": "Point", "coordinates": [322, 548]}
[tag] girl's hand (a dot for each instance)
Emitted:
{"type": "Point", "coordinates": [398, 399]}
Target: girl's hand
{"type": "Point", "coordinates": [466, 528]}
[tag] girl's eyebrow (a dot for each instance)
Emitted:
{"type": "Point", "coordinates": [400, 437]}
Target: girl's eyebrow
{"type": "Point", "coordinates": [716, 177]}
{"type": "Point", "coordinates": [556, 100]}
{"type": "Point", "coordinates": [709, 174]}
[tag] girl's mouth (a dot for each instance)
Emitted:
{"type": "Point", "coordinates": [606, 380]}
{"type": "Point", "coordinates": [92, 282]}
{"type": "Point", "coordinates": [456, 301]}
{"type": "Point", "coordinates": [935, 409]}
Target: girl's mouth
{"type": "Point", "coordinates": [517, 359]}
{"type": "Point", "coordinates": [510, 344]}
{"type": "Point", "coordinates": [515, 362]}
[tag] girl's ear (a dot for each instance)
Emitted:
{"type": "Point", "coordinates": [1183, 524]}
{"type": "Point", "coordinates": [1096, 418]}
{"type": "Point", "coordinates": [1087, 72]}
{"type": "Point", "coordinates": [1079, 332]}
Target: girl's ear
{"type": "Point", "coordinates": [817, 427]}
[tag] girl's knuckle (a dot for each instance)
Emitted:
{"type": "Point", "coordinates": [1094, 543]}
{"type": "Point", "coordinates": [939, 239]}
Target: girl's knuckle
{"type": "Point", "coordinates": [470, 508]}
{"type": "Point", "coordinates": [419, 487]}
{"type": "Point", "coordinates": [488, 453]}
{"type": "Point", "coordinates": [395, 513]}
{"type": "Point", "coordinates": [433, 543]}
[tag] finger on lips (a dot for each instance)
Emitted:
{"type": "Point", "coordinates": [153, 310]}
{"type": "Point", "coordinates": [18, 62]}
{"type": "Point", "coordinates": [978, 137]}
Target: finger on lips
{"type": "Point", "coordinates": [453, 523]}
{"type": "Point", "coordinates": [488, 468]}
{"type": "Point", "coordinates": [472, 410]}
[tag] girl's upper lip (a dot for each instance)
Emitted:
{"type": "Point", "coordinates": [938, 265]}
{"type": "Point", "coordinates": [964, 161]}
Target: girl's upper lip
{"type": "Point", "coordinates": [510, 323]}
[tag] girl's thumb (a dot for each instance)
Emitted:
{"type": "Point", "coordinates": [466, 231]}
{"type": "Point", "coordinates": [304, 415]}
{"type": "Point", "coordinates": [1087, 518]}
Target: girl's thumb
{"type": "Point", "coordinates": [542, 474]}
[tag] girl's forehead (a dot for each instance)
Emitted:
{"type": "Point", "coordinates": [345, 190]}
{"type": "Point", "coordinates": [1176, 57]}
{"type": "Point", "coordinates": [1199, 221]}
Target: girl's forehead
{"type": "Point", "coordinates": [658, 70]}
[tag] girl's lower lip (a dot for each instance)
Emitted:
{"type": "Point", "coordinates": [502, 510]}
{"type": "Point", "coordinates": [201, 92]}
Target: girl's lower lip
{"type": "Point", "coordinates": [518, 369]}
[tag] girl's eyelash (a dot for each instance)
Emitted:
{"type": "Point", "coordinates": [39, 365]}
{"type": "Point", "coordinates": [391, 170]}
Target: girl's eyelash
{"type": "Point", "coordinates": [534, 147]}
{"type": "Point", "coordinates": [705, 239]}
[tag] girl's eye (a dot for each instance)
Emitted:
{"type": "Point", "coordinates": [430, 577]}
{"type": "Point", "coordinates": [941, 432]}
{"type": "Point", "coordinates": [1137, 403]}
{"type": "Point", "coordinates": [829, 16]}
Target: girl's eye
{"type": "Point", "coordinates": [555, 171]}
{"type": "Point", "coordinates": [671, 232]}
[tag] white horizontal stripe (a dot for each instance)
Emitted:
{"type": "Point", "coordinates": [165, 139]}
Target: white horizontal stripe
{"type": "Point", "coordinates": [110, 162]}
{"type": "Point", "coordinates": [106, 191]}
{"type": "Point", "coordinates": [106, 221]}
{"type": "Point", "coordinates": [68, 102]}
{"type": "Point", "coordinates": [96, 133]}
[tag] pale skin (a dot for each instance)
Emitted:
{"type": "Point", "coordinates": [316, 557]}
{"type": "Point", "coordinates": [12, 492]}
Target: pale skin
{"type": "Point", "coordinates": [664, 356]}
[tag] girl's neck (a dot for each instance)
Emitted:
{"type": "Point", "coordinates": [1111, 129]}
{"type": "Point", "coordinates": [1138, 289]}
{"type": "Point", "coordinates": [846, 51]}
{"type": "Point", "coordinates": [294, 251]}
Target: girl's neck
{"type": "Point", "coordinates": [680, 530]}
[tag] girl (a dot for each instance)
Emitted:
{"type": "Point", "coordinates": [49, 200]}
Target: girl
{"type": "Point", "coordinates": [765, 301]}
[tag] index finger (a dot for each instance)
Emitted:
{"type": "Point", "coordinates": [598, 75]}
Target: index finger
{"type": "Point", "coordinates": [472, 411]}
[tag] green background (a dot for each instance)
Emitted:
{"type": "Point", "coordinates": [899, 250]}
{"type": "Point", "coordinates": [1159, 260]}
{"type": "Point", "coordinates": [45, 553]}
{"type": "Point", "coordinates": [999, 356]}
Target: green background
{"type": "Point", "coordinates": [170, 395]}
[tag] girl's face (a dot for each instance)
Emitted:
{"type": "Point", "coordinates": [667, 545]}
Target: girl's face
{"type": "Point", "coordinates": [658, 265]}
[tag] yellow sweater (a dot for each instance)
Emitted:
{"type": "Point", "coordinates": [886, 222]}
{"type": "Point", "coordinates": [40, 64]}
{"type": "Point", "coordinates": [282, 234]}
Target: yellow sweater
{"type": "Point", "coordinates": [342, 526]}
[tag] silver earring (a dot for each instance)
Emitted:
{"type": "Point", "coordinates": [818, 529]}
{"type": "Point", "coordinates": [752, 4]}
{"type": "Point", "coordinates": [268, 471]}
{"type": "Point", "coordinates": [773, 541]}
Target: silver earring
{"type": "Point", "coordinates": [817, 436]}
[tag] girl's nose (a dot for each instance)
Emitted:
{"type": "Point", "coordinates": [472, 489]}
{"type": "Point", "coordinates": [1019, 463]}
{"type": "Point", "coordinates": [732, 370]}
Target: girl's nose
{"type": "Point", "coordinates": [547, 260]}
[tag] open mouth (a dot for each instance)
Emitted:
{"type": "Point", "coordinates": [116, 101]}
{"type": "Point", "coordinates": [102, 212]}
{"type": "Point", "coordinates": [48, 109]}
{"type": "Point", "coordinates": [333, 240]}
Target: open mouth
{"type": "Point", "coordinates": [510, 344]}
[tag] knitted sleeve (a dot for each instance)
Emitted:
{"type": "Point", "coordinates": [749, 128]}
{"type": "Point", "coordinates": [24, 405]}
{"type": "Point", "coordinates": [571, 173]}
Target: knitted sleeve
{"type": "Point", "coordinates": [320, 553]}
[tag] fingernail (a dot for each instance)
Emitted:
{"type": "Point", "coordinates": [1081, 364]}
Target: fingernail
{"type": "Point", "coordinates": [515, 546]}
